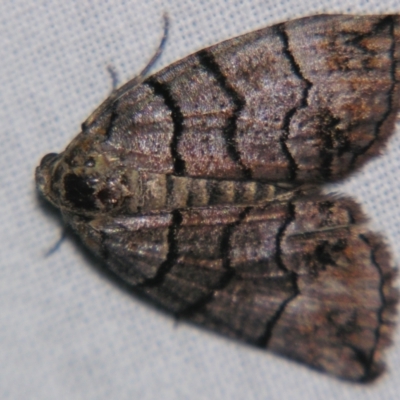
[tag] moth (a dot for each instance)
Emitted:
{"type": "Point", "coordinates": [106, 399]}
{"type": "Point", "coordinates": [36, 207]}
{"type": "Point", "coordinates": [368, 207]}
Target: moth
{"type": "Point", "coordinates": [200, 186]}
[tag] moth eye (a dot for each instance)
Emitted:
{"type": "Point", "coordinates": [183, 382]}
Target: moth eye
{"type": "Point", "coordinates": [47, 159]}
{"type": "Point", "coordinates": [78, 192]}
{"type": "Point", "coordinates": [90, 162]}
{"type": "Point", "coordinates": [106, 196]}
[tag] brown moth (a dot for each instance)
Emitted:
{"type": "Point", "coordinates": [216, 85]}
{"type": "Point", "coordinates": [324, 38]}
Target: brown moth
{"type": "Point", "coordinates": [200, 187]}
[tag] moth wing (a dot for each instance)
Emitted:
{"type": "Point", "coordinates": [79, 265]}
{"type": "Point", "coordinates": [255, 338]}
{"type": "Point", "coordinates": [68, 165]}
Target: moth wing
{"type": "Point", "coordinates": [304, 279]}
{"type": "Point", "coordinates": [308, 100]}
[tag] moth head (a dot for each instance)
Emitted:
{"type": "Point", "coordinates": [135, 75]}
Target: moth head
{"type": "Point", "coordinates": [81, 181]}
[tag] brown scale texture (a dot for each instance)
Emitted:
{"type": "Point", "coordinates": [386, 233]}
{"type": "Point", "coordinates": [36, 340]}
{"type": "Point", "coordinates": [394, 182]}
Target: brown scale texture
{"type": "Point", "coordinates": [200, 187]}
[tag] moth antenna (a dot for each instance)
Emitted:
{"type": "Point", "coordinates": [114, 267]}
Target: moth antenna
{"type": "Point", "coordinates": [143, 74]}
{"type": "Point", "coordinates": [137, 80]}
{"type": "Point", "coordinates": [159, 50]}
{"type": "Point", "coordinates": [114, 77]}
{"type": "Point", "coordinates": [57, 244]}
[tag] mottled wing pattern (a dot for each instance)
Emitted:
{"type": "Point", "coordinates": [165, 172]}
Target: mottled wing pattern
{"type": "Point", "coordinates": [199, 187]}
{"type": "Point", "coordinates": [276, 276]}
{"type": "Point", "coordinates": [304, 101]}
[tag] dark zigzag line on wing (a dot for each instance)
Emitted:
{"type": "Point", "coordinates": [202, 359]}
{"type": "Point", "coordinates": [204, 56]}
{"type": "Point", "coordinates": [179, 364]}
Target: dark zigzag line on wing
{"type": "Point", "coordinates": [208, 61]}
{"type": "Point", "coordinates": [226, 278]}
{"type": "Point", "coordinates": [264, 339]}
{"type": "Point", "coordinates": [172, 254]}
{"type": "Point", "coordinates": [368, 360]}
{"type": "Point", "coordinates": [293, 167]}
{"type": "Point", "coordinates": [361, 356]}
{"type": "Point", "coordinates": [225, 325]}
{"type": "Point", "coordinates": [111, 122]}
{"type": "Point", "coordinates": [387, 20]}
{"type": "Point", "coordinates": [163, 90]}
